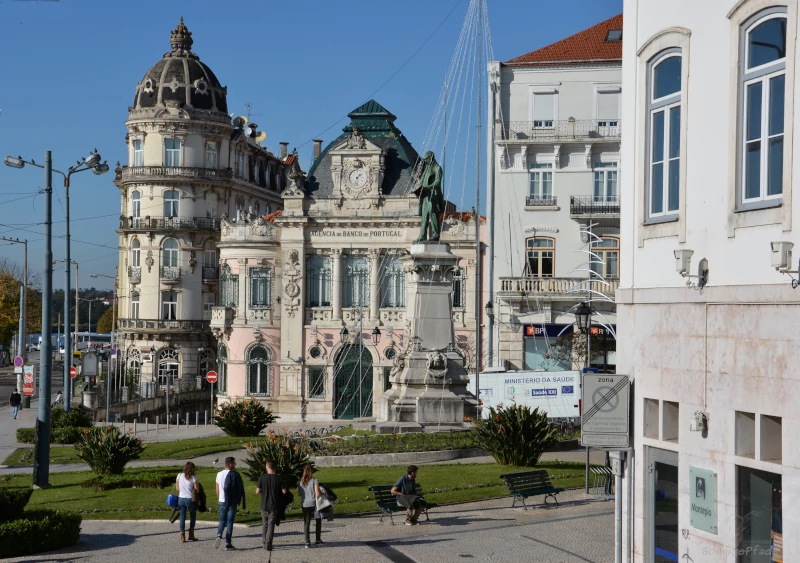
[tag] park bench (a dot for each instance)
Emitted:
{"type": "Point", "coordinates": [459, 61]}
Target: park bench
{"type": "Point", "coordinates": [387, 502]}
{"type": "Point", "coordinates": [530, 484]}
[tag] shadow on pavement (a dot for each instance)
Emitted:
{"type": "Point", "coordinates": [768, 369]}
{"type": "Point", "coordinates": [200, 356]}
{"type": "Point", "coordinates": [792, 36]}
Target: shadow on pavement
{"type": "Point", "coordinates": [465, 521]}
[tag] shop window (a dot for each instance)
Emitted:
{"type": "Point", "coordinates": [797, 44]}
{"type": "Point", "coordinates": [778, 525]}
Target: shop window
{"type": "Point", "coordinates": [316, 383]}
{"type": "Point", "coordinates": [759, 500]}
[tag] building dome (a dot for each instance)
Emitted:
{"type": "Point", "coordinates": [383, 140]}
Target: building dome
{"type": "Point", "coordinates": [181, 78]}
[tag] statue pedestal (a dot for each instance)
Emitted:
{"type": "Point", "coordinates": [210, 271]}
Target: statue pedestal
{"type": "Point", "coordinates": [429, 382]}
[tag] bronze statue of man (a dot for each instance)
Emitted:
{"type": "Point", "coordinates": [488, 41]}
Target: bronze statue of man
{"type": "Point", "coordinates": [431, 199]}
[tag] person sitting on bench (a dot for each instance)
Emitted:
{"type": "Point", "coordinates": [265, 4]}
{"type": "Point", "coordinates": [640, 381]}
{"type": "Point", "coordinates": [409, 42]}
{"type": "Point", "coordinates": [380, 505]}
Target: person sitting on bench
{"type": "Point", "coordinates": [404, 490]}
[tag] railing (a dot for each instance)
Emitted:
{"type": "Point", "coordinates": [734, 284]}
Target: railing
{"type": "Point", "coordinates": [524, 286]}
{"type": "Point", "coordinates": [170, 272]}
{"type": "Point", "coordinates": [135, 272]}
{"type": "Point", "coordinates": [143, 172]}
{"type": "Point", "coordinates": [221, 317]}
{"type": "Point", "coordinates": [558, 129]}
{"type": "Point", "coordinates": [169, 223]}
{"type": "Point", "coordinates": [160, 324]}
{"type": "Point", "coordinates": [593, 205]}
{"type": "Point", "coordinates": [547, 201]}
{"type": "Point", "coordinates": [210, 273]}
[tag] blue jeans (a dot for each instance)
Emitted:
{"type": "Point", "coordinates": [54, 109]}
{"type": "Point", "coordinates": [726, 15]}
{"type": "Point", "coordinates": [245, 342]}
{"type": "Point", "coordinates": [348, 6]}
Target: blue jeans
{"type": "Point", "coordinates": [185, 504]}
{"type": "Point", "coordinates": [227, 513]}
{"type": "Point", "coordinates": [14, 411]}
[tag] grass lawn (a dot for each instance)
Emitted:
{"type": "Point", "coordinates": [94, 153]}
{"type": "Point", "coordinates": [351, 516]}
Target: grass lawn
{"type": "Point", "coordinates": [446, 483]}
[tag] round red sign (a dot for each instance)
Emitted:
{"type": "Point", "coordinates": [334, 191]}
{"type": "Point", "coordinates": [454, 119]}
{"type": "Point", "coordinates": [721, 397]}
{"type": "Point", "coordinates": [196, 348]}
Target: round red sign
{"type": "Point", "coordinates": [73, 373]}
{"type": "Point", "coordinates": [211, 376]}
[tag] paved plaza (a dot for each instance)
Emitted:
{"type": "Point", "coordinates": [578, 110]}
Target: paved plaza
{"type": "Point", "coordinates": [580, 530]}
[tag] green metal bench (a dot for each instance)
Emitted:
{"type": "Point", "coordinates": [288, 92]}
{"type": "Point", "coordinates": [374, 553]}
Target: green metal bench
{"type": "Point", "coordinates": [530, 484]}
{"type": "Point", "coordinates": [387, 502]}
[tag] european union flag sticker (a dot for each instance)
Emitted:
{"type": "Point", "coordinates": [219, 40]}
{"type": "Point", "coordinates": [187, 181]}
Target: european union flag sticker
{"type": "Point", "coordinates": [567, 389]}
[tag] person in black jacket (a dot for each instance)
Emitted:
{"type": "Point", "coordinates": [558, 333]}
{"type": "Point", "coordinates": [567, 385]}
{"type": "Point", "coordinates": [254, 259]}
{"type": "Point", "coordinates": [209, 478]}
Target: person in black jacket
{"type": "Point", "coordinates": [230, 492]}
{"type": "Point", "coordinates": [272, 489]}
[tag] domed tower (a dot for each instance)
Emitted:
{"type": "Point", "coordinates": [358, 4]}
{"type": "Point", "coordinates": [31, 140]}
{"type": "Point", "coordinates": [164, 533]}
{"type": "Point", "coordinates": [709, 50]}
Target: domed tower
{"type": "Point", "coordinates": [188, 167]}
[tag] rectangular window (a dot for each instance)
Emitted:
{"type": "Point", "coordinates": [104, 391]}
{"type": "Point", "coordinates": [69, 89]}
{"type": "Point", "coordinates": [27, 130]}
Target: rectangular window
{"type": "Point", "coordinates": [135, 306]}
{"type": "Point", "coordinates": [319, 281]}
{"type": "Point", "coordinates": [172, 156]}
{"type": "Point", "coordinates": [356, 282]}
{"type": "Point", "coordinates": [172, 200]}
{"type": "Point", "coordinates": [209, 302]}
{"type": "Point", "coordinates": [387, 384]}
{"type": "Point", "coordinates": [544, 109]}
{"type": "Point", "coordinates": [169, 306]}
{"type": "Point", "coordinates": [537, 356]}
{"type": "Point", "coordinates": [316, 383]}
{"type": "Point", "coordinates": [608, 104]}
{"type": "Point", "coordinates": [229, 290]}
{"type": "Point", "coordinates": [255, 173]}
{"type": "Point", "coordinates": [260, 282]}
{"type": "Point", "coordinates": [210, 258]}
{"type": "Point", "coordinates": [759, 507]}
{"type": "Point", "coordinates": [541, 187]}
{"type": "Point", "coordinates": [605, 183]}
{"type": "Point", "coordinates": [138, 153]}
{"type": "Point", "coordinates": [606, 263]}
{"type": "Point", "coordinates": [212, 156]}
{"type": "Point", "coordinates": [459, 289]}
{"type": "Point", "coordinates": [136, 205]}
{"type": "Point", "coordinates": [393, 283]}
{"type": "Point", "coordinates": [541, 257]}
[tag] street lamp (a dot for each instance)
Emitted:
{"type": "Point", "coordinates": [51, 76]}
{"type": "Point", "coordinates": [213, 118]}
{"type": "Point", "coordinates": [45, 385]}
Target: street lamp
{"type": "Point", "coordinates": [343, 333]}
{"type": "Point", "coordinates": [583, 316]}
{"type": "Point", "coordinates": [490, 316]}
{"type": "Point", "coordinates": [376, 336]}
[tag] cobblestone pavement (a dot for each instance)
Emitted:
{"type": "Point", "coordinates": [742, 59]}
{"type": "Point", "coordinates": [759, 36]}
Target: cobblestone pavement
{"type": "Point", "coordinates": [580, 530]}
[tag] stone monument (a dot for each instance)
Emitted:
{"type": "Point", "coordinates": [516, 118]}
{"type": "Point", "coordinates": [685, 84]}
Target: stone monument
{"type": "Point", "coordinates": [429, 382]}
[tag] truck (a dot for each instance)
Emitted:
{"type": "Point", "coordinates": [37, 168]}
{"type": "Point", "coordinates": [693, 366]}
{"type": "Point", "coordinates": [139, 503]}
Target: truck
{"type": "Point", "coordinates": [556, 392]}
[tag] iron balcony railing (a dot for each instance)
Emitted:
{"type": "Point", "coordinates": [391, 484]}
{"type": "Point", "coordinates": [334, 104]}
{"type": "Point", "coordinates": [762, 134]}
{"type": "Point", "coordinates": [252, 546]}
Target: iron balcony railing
{"type": "Point", "coordinates": [564, 129]}
{"type": "Point", "coordinates": [192, 172]}
{"type": "Point", "coordinates": [169, 223]}
{"type": "Point", "coordinates": [210, 273]}
{"type": "Point", "coordinates": [525, 286]}
{"type": "Point", "coordinates": [593, 205]}
{"type": "Point", "coordinates": [135, 272]}
{"type": "Point", "coordinates": [171, 272]}
{"type": "Point", "coordinates": [546, 201]}
{"type": "Point", "coordinates": [161, 324]}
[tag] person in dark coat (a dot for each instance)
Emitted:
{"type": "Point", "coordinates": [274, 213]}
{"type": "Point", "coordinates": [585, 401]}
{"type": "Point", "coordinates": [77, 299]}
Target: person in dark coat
{"type": "Point", "coordinates": [272, 489]}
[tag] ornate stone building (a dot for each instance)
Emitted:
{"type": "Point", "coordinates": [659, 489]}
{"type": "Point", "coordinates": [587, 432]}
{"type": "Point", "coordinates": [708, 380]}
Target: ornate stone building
{"type": "Point", "coordinates": [188, 166]}
{"type": "Point", "coordinates": [312, 310]}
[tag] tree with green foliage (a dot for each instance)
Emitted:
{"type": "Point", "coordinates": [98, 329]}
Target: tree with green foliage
{"type": "Point", "coordinates": [105, 324]}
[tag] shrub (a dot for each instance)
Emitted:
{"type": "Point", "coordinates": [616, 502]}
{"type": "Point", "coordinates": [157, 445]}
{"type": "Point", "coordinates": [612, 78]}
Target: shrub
{"type": "Point", "coordinates": [65, 435]}
{"type": "Point", "coordinates": [142, 480]}
{"type": "Point", "coordinates": [65, 427]}
{"type": "Point", "coordinates": [13, 501]}
{"type": "Point", "coordinates": [290, 458]}
{"type": "Point", "coordinates": [244, 418]}
{"type": "Point", "coordinates": [107, 450]}
{"type": "Point", "coordinates": [515, 435]}
{"type": "Point", "coordinates": [39, 530]}
{"type": "Point", "coordinates": [25, 435]}
{"type": "Point", "coordinates": [75, 418]}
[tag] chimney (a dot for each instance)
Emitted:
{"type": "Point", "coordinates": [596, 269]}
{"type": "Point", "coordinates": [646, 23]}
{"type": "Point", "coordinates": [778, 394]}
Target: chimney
{"type": "Point", "coordinates": [284, 149]}
{"type": "Point", "coordinates": [317, 148]}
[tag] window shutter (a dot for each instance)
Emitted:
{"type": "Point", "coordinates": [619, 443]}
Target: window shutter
{"type": "Point", "coordinates": [544, 106]}
{"type": "Point", "coordinates": [608, 105]}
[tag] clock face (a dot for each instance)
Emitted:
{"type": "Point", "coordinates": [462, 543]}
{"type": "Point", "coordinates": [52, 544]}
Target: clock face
{"type": "Point", "coordinates": [358, 178]}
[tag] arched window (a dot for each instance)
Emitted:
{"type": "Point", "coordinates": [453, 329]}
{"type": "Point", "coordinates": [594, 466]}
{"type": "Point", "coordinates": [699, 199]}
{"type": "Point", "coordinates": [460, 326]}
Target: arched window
{"type": "Point", "coordinates": [171, 203]}
{"type": "Point", "coordinates": [168, 367]}
{"type": "Point", "coordinates": [135, 305]}
{"type": "Point", "coordinates": [541, 257]}
{"type": "Point", "coordinates": [134, 369]}
{"type": "Point", "coordinates": [169, 253]}
{"type": "Point", "coordinates": [393, 283]}
{"type": "Point", "coordinates": [222, 370]}
{"type": "Point", "coordinates": [356, 282]}
{"type": "Point", "coordinates": [762, 95]}
{"type": "Point", "coordinates": [211, 155]}
{"type": "Point", "coordinates": [136, 205]}
{"type": "Point", "coordinates": [606, 263]}
{"type": "Point", "coordinates": [319, 281]}
{"type": "Point", "coordinates": [206, 363]}
{"type": "Point", "coordinates": [138, 152]}
{"type": "Point", "coordinates": [664, 103]}
{"type": "Point", "coordinates": [259, 368]}
{"type": "Point", "coordinates": [136, 253]}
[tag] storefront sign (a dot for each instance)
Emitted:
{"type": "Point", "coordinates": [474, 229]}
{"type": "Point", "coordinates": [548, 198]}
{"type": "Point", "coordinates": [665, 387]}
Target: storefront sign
{"type": "Point", "coordinates": [703, 499]}
{"type": "Point", "coordinates": [551, 331]}
{"type": "Point", "coordinates": [355, 234]}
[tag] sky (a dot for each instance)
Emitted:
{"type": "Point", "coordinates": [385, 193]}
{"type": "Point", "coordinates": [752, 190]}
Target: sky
{"type": "Point", "coordinates": [71, 68]}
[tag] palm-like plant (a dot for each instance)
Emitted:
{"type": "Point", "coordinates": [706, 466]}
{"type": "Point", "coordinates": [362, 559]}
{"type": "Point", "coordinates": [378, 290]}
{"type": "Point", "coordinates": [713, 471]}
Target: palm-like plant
{"type": "Point", "coordinates": [515, 435]}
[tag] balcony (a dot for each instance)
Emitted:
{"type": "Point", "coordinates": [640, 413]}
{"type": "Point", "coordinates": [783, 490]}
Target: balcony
{"type": "Point", "coordinates": [147, 174]}
{"type": "Point", "coordinates": [170, 273]}
{"type": "Point", "coordinates": [589, 205]}
{"type": "Point", "coordinates": [135, 274]}
{"type": "Point", "coordinates": [558, 130]}
{"type": "Point", "coordinates": [547, 201]}
{"type": "Point", "coordinates": [222, 318]}
{"type": "Point", "coordinates": [565, 289]}
{"type": "Point", "coordinates": [161, 326]}
{"type": "Point", "coordinates": [210, 273]}
{"type": "Point", "coordinates": [169, 224]}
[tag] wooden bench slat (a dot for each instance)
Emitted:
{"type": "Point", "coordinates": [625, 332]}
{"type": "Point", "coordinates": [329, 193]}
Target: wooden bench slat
{"type": "Point", "coordinates": [387, 502]}
{"type": "Point", "coordinates": [530, 483]}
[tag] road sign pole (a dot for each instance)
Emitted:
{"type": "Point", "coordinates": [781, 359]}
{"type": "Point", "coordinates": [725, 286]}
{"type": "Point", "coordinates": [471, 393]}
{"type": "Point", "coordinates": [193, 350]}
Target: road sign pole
{"type": "Point", "coordinates": [211, 412]}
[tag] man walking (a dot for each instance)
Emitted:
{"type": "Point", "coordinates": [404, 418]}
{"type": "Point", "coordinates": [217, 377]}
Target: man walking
{"type": "Point", "coordinates": [404, 490]}
{"type": "Point", "coordinates": [15, 401]}
{"type": "Point", "coordinates": [272, 490]}
{"type": "Point", "coordinates": [230, 492]}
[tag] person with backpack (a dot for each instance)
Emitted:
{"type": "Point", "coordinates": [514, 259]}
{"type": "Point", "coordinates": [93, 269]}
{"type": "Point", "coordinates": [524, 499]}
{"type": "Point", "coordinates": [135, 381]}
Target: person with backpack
{"type": "Point", "coordinates": [15, 401]}
{"type": "Point", "coordinates": [230, 492]}
{"type": "Point", "coordinates": [308, 489]}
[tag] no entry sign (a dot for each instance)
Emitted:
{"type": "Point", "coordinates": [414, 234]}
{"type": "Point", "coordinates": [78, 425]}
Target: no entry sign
{"type": "Point", "coordinates": [211, 376]}
{"type": "Point", "coordinates": [73, 372]}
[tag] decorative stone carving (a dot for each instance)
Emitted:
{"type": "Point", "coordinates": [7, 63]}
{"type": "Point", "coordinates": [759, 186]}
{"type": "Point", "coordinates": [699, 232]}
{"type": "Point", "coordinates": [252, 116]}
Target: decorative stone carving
{"type": "Point", "coordinates": [454, 227]}
{"type": "Point", "coordinates": [356, 178]}
{"type": "Point", "coordinates": [261, 228]}
{"type": "Point", "coordinates": [292, 273]}
{"type": "Point", "coordinates": [556, 156]}
{"type": "Point", "coordinates": [356, 139]}
{"type": "Point", "coordinates": [436, 365]}
{"type": "Point", "coordinates": [192, 260]}
{"type": "Point", "coordinates": [149, 261]}
{"type": "Point", "coordinates": [296, 179]}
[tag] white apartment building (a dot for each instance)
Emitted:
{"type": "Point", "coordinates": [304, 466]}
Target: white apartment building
{"type": "Point", "coordinates": [708, 127]}
{"type": "Point", "coordinates": [554, 171]}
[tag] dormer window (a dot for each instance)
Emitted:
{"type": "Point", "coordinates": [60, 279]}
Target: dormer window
{"type": "Point", "coordinates": [255, 173]}
{"type": "Point", "coordinates": [614, 35]}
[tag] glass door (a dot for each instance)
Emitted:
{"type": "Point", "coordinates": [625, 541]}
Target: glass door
{"type": "Point", "coordinates": [662, 506]}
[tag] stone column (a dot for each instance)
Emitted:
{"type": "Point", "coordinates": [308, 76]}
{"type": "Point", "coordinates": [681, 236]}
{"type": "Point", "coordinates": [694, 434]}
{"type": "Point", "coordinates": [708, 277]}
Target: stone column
{"type": "Point", "coordinates": [336, 289]}
{"type": "Point", "coordinates": [374, 283]}
{"type": "Point", "coordinates": [241, 313]}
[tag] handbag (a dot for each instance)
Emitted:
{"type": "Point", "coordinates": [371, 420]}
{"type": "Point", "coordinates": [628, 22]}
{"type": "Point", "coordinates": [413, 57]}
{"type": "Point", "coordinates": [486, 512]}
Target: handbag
{"type": "Point", "coordinates": [323, 503]}
{"type": "Point", "coordinates": [172, 500]}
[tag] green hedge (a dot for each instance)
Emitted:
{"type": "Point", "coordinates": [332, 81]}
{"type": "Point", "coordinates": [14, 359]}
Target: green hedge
{"type": "Point", "coordinates": [38, 531]}
{"type": "Point", "coordinates": [63, 435]}
{"type": "Point", "coordinates": [25, 435]}
{"type": "Point", "coordinates": [13, 501]}
{"type": "Point", "coordinates": [144, 480]}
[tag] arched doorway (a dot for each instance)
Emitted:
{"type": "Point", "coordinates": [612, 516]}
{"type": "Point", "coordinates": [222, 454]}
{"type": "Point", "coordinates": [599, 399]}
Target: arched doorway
{"type": "Point", "coordinates": [352, 383]}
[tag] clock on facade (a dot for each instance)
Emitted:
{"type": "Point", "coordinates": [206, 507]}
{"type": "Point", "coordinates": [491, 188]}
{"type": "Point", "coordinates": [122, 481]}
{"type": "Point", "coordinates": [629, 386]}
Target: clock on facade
{"type": "Point", "coordinates": [357, 178]}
